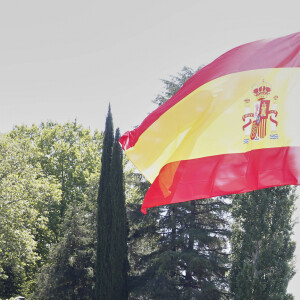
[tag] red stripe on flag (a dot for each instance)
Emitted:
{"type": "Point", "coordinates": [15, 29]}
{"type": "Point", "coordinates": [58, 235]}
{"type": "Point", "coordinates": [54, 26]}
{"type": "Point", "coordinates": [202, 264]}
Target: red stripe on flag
{"type": "Point", "coordinates": [281, 52]}
{"type": "Point", "coordinates": [224, 174]}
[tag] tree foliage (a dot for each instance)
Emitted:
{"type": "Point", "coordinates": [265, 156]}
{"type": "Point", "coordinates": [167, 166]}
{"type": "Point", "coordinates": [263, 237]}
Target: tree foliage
{"type": "Point", "coordinates": [28, 202]}
{"type": "Point", "coordinates": [262, 249]}
{"type": "Point", "coordinates": [119, 225]}
{"type": "Point", "coordinates": [112, 258]}
{"type": "Point", "coordinates": [70, 275]}
{"type": "Point", "coordinates": [68, 152]}
{"type": "Point", "coordinates": [46, 170]}
{"type": "Point", "coordinates": [173, 84]}
{"type": "Point", "coordinates": [186, 258]}
{"type": "Point", "coordinates": [103, 287]}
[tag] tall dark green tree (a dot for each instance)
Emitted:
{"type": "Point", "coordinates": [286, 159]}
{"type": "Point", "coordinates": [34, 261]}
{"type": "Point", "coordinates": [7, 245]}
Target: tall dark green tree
{"type": "Point", "coordinates": [112, 255]}
{"type": "Point", "coordinates": [119, 229]}
{"type": "Point", "coordinates": [262, 249]}
{"type": "Point", "coordinates": [103, 272]}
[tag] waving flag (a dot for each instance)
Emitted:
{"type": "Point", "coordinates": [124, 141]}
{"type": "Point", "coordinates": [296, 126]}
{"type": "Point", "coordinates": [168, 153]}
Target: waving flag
{"type": "Point", "coordinates": [233, 127]}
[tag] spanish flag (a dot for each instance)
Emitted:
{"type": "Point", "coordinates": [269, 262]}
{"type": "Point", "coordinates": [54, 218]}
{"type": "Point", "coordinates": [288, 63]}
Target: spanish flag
{"type": "Point", "coordinates": [233, 127]}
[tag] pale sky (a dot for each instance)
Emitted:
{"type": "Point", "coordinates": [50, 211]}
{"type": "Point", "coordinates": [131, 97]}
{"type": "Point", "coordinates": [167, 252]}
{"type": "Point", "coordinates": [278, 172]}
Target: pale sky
{"type": "Point", "coordinates": [61, 60]}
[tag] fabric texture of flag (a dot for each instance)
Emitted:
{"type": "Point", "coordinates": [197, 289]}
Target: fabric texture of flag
{"type": "Point", "coordinates": [232, 128]}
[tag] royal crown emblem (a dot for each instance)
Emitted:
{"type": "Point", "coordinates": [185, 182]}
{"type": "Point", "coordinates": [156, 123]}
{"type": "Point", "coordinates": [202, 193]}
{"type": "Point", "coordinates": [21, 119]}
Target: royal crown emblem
{"type": "Point", "coordinates": [256, 121]}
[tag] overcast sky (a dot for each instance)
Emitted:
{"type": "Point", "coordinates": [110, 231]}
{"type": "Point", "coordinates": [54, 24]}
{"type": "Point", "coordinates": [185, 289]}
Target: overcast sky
{"type": "Point", "coordinates": [61, 60]}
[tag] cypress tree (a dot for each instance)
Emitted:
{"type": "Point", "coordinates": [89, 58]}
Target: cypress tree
{"type": "Point", "coordinates": [103, 287]}
{"type": "Point", "coordinates": [119, 232]}
{"type": "Point", "coordinates": [262, 249]}
{"type": "Point", "coordinates": [111, 257]}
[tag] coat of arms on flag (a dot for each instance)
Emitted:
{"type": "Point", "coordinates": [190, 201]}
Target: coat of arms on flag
{"type": "Point", "coordinates": [264, 109]}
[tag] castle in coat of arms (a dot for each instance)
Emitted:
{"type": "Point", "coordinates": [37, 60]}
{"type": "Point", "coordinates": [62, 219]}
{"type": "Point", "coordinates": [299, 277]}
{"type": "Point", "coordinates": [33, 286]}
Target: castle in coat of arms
{"type": "Point", "coordinates": [260, 114]}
